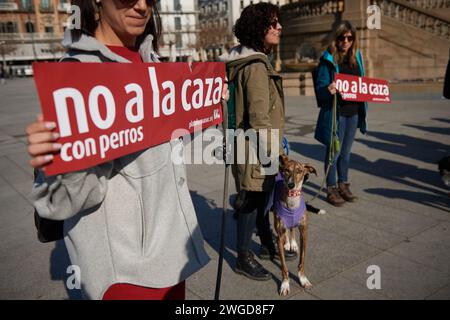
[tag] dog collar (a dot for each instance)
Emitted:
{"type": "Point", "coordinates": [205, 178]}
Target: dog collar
{"type": "Point", "coordinates": [294, 193]}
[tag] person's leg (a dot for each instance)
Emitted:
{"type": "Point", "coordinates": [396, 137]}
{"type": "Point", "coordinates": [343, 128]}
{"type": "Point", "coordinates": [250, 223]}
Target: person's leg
{"type": "Point", "coordinates": [344, 160]}
{"type": "Point", "coordinates": [246, 221]}
{"type": "Point", "coordinates": [263, 222]}
{"type": "Point", "coordinates": [347, 141]}
{"type": "Point", "coordinates": [333, 196]}
{"type": "Point", "coordinates": [245, 227]}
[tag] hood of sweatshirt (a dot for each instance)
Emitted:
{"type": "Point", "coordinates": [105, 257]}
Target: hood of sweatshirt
{"type": "Point", "coordinates": [90, 44]}
{"type": "Point", "coordinates": [239, 57]}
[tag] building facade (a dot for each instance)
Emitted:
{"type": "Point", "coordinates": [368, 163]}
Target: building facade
{"type": "Point", "coordinates": [216, 20]}
{"type": "Point", "coordinates": [31, 30]}
{"type": "Point", "coordinates": [180, 30]}
{"type": "Point", "coordinates": [412, 44]}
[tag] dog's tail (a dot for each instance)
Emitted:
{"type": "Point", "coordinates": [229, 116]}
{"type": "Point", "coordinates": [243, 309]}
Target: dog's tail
{"type": "Point", "coordinates": [315, 210]}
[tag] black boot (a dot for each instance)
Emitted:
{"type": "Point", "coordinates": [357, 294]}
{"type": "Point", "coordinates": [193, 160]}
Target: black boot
{"type": "Point", "coordinates": [246, 263]}
{"type": "Point", "coordinates": [249, 267]}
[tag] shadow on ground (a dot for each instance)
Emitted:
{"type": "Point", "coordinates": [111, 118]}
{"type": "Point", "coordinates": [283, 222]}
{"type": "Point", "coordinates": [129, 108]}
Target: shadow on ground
{"type": "Point", "coordinates": [399, 172]}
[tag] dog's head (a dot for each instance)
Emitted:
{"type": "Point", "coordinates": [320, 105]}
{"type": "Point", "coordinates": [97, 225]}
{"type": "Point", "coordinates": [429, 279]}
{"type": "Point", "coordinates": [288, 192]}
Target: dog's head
{"type": "Point", "coordinates": [294, 172]}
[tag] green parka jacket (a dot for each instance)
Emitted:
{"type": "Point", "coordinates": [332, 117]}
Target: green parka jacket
{"type": "Point", "coordinates": [259, 104]}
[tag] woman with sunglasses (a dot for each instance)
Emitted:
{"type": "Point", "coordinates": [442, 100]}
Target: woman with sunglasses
{"type": "Point", "coordinates": [259, 104]}
{"type": "Point", "coordinates": [129, 224]}
{"type": "Point", "coordinates": [342, 56]}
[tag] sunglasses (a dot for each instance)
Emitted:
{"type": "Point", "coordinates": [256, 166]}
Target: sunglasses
{"type": "Point", "coordinates": [132, 2]}
{"type": "Point", "coordinates": [274, 23]}
{"type": "Point", "coordinates": [349, 38]}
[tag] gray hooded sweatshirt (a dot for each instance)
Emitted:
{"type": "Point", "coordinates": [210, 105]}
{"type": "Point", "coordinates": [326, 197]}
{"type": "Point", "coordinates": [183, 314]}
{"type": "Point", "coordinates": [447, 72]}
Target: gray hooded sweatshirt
{"type": "Point", "coordinates": [130, 220]}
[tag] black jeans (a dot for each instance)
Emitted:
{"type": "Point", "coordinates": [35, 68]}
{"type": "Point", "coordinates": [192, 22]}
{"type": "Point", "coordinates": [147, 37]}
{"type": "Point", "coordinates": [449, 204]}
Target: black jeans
{"type": "Point", "coordinates": [250, 214]}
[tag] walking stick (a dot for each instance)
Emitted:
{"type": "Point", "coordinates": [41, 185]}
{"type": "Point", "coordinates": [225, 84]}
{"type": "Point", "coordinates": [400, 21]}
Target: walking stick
{"type": "Point", "coordinates": [225, 200]}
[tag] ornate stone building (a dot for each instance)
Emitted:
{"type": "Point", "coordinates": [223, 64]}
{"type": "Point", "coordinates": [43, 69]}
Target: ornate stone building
{"type": "Point", "coordinates": [412, 44]}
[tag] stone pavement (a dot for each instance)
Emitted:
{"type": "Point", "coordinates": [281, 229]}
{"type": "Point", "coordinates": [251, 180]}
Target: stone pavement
{"type": "Point", "coordinates": [400, 223]}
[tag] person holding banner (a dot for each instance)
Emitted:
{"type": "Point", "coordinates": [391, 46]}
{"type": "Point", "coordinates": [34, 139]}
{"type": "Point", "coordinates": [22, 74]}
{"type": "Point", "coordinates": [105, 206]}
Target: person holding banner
{"type": "Point", "coordinates": [342, 56]}
{"type": "Point", "coordinates": [129, 224]}
{"type": "Point", "coordinates": [259, 106]}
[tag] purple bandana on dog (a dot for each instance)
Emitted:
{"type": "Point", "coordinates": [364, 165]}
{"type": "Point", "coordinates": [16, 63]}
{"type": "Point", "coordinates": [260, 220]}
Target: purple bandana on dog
{"type": "Point", "coordinates": [290, 217]}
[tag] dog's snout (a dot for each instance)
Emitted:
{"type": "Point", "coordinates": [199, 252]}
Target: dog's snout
{"type": "Point", "coordinates": [291, 185]}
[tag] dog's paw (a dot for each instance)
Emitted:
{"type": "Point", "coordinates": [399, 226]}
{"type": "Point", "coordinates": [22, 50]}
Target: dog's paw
{"type": "Point", "coordinates": [287, 246]}
{"type": "Point", "coordinates": [294, 246]}
{"type": "Point", "coordinates": [304, 282]}
{"type": "Point", "coordinates": [284, 290]}
{"type": "Point", "coordinates": [321, 211]}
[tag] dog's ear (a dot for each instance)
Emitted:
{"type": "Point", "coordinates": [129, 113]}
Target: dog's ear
{"type": "Point", "coordinates": [283, 159]}
{"type": "Point", "coordinates": [310, 168]}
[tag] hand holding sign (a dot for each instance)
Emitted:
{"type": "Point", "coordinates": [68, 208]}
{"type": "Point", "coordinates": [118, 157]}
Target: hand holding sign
{"type": "Point", "coordinates": [332, 88]}
{"type": "Point", "coordinates": [363, 89]}
{"type": "Point", "coordinates": [104, 117]}
{"type": "Point", "coordinates": [41, 142]}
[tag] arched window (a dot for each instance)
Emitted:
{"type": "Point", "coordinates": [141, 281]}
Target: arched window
{"type": "Point", "coordinates": [29, 27]}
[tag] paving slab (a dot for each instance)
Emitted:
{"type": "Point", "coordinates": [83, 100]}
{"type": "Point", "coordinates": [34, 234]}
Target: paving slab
{"type": "Point", "coordinates": [442, 294]}
{"type": "Point", "coordinates": [378, 238]}
{"type": "Point", "coordinates": [430, 248]}
{"type": "Point", "coordinates": [400, 277]}
{"type": "Point", "coordinates": [400, 221]}
{"type": "Point", "coordinates": [339, 288]}
{"type": "Point", "coordinates": [394, 220]}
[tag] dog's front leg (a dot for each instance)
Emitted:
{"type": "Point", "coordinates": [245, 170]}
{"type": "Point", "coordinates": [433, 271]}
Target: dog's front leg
{"type": "Point", "coordinates": [292, 240]}
{"type": "Point", "coordinates": [281, 239]}
{"type": "Point", "coordinates": [287, 245]}
{"type": "Point", "coordinates": [303, 230]}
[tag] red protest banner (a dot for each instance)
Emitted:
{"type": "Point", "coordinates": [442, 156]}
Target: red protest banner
{"type": "Point", "coordinates": [107, 110]}
{"type": "Point", "coordinates": [363, 89]}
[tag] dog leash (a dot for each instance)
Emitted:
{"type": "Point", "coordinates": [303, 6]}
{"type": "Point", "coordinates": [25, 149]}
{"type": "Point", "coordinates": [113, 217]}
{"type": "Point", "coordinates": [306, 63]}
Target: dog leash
{"type": "Point", "coordinates": [225, 200]}
{"type": "Point", "coordinates": [333, 150]}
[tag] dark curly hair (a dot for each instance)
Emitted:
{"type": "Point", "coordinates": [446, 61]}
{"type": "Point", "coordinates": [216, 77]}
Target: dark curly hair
{"type": "Point", "coordinates": [253, 24]}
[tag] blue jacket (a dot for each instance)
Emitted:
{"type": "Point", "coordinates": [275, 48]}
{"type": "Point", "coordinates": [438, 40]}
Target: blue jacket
{"type": "Point", "coordinates": [325, 75]}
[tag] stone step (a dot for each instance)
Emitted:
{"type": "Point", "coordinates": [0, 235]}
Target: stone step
{"type": "Point", "coordinates": [298, 83]}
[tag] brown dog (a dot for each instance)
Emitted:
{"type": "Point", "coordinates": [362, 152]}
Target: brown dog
{"type": "Point", "coordinates": [289, 199]}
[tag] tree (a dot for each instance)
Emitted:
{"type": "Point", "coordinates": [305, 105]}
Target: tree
{"type": "Point", "coordinates": [6, 49]}
{"type": "Point", "coordinates": [213, 36]}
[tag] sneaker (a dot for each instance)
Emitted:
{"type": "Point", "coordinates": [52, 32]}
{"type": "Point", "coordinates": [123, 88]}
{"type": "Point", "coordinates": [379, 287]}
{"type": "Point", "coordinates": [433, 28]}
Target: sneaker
{"type": "Point", "coordinates": [249, 267]}
{"type": "Point", "coordinates": [346, 194]}
{"type": "Point", "coordinates": [333, 197]}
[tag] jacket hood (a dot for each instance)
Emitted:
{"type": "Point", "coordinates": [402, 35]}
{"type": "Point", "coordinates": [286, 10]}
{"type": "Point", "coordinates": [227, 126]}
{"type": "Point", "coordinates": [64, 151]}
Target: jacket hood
{"type": "Point", "coordinates": [240, 56]}
{"type": "Point", "coordinates": [327, 56]}
{"type": "Point", "coordinates": [90, 44]}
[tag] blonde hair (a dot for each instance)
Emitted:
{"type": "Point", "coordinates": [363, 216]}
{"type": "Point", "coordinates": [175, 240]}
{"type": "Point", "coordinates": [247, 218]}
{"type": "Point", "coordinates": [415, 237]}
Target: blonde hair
{"type": "Point", "coordinates": [338, 56]}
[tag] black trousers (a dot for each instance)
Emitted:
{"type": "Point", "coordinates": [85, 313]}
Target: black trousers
{"type": "Point", "coordinates": [251, 213]}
